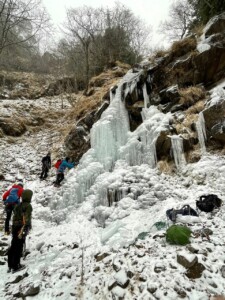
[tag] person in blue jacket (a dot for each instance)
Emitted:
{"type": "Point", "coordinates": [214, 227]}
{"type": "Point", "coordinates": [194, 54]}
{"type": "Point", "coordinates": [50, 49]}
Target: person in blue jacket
{"type": "Point", "coordinates": [60, 172]}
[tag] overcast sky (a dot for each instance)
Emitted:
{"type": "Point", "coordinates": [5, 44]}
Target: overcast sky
{"type": "Point", "coordinates": [151, 11]}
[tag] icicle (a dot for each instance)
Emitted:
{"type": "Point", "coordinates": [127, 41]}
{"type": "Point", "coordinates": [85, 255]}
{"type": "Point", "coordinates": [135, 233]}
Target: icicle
{"type": "Point", "coordinates": [200, 125]}
{"type": "Point", "coordinates": [146, 97]}
{"type": "Point", "coordinates": [178, 151]}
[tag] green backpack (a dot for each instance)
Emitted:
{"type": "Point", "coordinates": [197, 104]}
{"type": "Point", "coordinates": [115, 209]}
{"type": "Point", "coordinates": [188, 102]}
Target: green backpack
{"type": "Point", "coordinates": [178, 235]}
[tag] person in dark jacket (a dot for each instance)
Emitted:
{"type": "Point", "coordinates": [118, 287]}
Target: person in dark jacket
{"type": "Point", "coordinates": [46, 165]}
{"type": "Point", "coordinates": [11, 198]}
{"type": "Point", "coordinates": [60, 171]}
{"type": "Point", "coordinates": [21, 225]}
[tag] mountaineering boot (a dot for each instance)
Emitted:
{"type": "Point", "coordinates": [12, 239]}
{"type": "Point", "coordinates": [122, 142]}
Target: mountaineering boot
{"type": "Point", "coordinates": [19, 268]}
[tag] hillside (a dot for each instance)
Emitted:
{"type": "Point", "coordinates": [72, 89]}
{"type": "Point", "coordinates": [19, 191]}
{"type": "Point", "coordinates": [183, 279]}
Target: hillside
{"type": "Point", "coordinates": [146, 142]}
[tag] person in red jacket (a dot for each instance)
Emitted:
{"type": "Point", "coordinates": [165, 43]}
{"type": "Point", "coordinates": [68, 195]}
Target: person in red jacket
{"type": "Point", "coordinates": [11, 198]}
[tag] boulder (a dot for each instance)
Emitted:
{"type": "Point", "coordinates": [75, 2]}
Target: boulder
{"type": "Point", "coordinates": [215, 122]}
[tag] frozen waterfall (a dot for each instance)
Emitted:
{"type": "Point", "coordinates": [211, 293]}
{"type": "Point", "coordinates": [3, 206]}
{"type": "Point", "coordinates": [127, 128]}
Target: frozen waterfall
{"type": "Point", "coordinates": [200, 125]}
{"type": "Point", "coordinates": [111, 131]}
{"type": "Point", "coordinates": [178, 151]}
{"type": "Point", "coordinates": [140, 147]}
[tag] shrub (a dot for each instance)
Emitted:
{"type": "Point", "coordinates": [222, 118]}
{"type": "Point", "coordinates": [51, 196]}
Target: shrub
{"type": "Point", "coordinates": [191, 95]}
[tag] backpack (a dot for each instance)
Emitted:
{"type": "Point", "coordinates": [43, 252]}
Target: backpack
{"type": "Point", "coordinates": [13, 197]}
{"type": "Point", "coordinates": [58, 163]}
{"type": "Point", "coordinates": [186, 210]}
{"type": "Point", "coordinates": [207, 203]}
{"type": "Point", "coordinates": [178, 235]}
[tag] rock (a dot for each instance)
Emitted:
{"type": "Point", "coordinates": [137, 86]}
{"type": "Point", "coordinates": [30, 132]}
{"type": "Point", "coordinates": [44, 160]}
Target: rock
{"type": "Point", "coordinates": [122, 279]}
{"type": "Point", "coordinates": [100, 257]}
{"type": "Point", "coordinates": [187, 261]}
{"type": "Point", "coordinates": [163, 144]}
{"type": "Point", "coordinates": [77, 142]}
{"type": "Point", "coordinates": [222, 270]}
{"type": "Point", "coordinates": [152, 288]}
{"type": "Point", "coordinates": [2, 177]}
{"type": "Point", "coordinates": [192, 249]}
{"type": "Point", "coordinates": [215, 122]}
{"type": "Point", "coordinates": [18, 278]}
{"type": "Point", "coordinates": [130, 274]}
{"type": "Point", "coordinates": [215, 25]}
{"type": "Point", "coordinates": [118, 292]}
{"type": "Point", "coordinates": [112, 285]}
{"type": "Point", "coordinates": [40, 245]}
{"type": "Point", "coordinates": [170, 95]}
{"type": "Point", "coordinates": [195, 271]}
{"type": "Point", "coordinates": [31, 290]}
{"type": "Point", "coordinates": [96, 269]}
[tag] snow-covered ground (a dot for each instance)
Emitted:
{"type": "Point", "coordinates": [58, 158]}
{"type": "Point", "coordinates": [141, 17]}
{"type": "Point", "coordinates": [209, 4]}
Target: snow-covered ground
{"type": "Point", "coordinates": [84, 242]}
{"type": "Point", "coordinates": [67, 236]}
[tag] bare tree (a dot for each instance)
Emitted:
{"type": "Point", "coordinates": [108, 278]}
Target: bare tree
{"type": "Point", "coordinates": [20, 22]}
{"type": "Point", "coordinates": [180, 17]}
{"type": "Point", "coordinates": [82, 25]}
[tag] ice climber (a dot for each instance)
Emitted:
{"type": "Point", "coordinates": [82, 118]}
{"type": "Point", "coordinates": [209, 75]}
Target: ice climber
{"type": "Point", "coordinates": [46, 165]}
{"type": "Point", "coordinates": [11, 198]}
{"type": "Point", "coordinates": [60, 172]}
{"type": "Point", "coordinates": [21, 226]}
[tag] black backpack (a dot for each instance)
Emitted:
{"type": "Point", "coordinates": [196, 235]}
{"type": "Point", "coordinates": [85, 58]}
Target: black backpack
{"type": "Point", "coordinates": [186, 210]}
{"type": "Point", "coordinates": [208, 203]}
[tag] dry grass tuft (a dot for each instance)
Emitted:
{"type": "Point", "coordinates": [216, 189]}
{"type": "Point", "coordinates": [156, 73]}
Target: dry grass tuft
{"type": "Point", "coordinates": [196, 108]}
{"type": "Point", "coordinates": [182, 47]}
{"type": "Point", "coordinates": [191, 95]}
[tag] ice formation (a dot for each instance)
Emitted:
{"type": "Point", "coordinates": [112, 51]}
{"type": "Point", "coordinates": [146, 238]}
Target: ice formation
{"type": "Point", "coordinates": [178, 151]}
{"type": "Point", "coordinates": [140, 147]}
{"type": "Point", "coordinates": [200, 125]}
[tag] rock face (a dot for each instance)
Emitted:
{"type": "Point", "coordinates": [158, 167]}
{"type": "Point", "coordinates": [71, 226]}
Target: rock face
{"type": "Point", "coordinates": [214, 117]}
{"type": "Point", "coordinates": [192, 64]}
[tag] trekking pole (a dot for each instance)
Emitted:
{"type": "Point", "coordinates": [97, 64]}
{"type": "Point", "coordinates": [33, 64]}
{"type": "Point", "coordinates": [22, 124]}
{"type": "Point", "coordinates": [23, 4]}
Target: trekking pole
{"type": "Point", "coordinates": [24, 249]}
